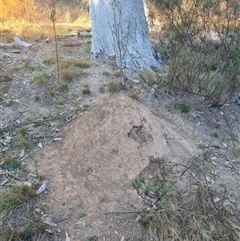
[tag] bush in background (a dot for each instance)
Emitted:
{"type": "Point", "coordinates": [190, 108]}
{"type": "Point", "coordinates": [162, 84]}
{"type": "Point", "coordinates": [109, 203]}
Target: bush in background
{"type": "Point", "coordinates": [202, 43]}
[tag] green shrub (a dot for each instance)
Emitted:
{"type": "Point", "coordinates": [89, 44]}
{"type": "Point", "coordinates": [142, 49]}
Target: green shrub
{"type": "Point", "coordinates": [203, 48]}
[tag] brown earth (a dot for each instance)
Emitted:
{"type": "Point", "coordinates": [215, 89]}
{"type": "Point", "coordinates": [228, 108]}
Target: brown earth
{"type": "Point", "coordinates": [91, 169]}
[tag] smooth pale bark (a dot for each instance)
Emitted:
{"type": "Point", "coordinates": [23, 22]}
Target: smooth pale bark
{"type": "Point", "coordinates": [120, 32]}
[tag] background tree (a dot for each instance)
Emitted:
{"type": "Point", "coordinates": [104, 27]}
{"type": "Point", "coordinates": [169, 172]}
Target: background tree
{"type": "Point", "coordinates": [120, 32]}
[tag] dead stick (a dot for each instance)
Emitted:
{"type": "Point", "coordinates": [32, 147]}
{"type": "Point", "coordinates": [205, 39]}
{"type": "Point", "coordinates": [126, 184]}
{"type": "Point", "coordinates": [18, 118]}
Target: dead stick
{"type": "Point", "coordinates": [238, 172]}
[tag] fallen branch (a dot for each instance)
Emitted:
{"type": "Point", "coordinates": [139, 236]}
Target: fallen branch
{"type": "Point", "coordinates": [238, 172]}
{"type": "Point", "coordinates": [84, 35]}
{"type": "Point", "coordinates": [5, 45]}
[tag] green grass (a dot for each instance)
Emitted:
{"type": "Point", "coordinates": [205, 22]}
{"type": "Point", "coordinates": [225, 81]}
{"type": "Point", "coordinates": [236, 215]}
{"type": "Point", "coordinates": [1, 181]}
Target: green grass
{"type": "Point", "coordinates": [184, 108]}
{"type": "Point", "coordinates": [86, 91]}
{"type": "Point", "coordinates": [215, 133]}
{"type": "Point", "coordinates": [92, 238]}
{"type": "Point", "coordinates": [11, 163]}
{"type": "Point", "coordinates": [102, 89]}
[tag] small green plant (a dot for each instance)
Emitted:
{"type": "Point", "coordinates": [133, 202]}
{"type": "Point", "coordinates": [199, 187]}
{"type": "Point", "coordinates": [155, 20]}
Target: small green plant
{"type": "Point", "coordinates": [184, 108]}
{"type": "Point", "coordinates": [12, 163]}
{"type": "Point", "coordinates": [158, 191]}
{"type": "Point", "coordinates": [168, 107]}
{"type": "Point", "coordinates": [215, 133]}
{"type": "Point", "coordinates": [102, 89]}
{"type": "Point", "coordinates": [86, 90]}
{"type": "Point", "coordinates": [92, 238]}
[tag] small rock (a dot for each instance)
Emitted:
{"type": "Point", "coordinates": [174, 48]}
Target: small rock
{"type": "Point", "coordinates": [226, 203]}
{"type": "Point", "coordinates": [216, 199]}
{"type": "Point", "coordinates": [237, 99]}
{"type": "Point", "coordinates": [57, 139]}
{"type": "Point", "coordinates": [41, 189]}
{"type": "Point", "coordinates": [40, 145]}
{"type": "Point", "coordinates": [49, 222]}
{"type": "Point", "coordinates": [67, 236]}
{"type": "Point", "coordinates": [227, 164]}
{"type": "Point", "coordinates": [22, 153]}
{"type": "Point", "coordinates": [224, 144]}
{"type": "Point", "coordinates": [209, 180]}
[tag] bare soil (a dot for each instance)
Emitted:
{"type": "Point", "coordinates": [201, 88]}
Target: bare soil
{"type": "Point", "coordinates": [96, 144]}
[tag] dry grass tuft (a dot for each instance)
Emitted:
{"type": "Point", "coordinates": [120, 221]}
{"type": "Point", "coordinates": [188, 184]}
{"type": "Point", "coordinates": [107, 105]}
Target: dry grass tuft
{"type": "Point", "coordinates": [18, 206]}
{"type": "Point", "coordinates": [195, 213]}
{"type": "Point", "coordinates": [15, 195]}
{"type": "Point", "coordinates": [70, 73]}
{"type": "Point", "coordinates": [41, 79]}
{"type": "Point", "coordinates": [30, 20]}
{"type": "Point", "coordinates": [114, 87]}
{"type": "Point", "coordinates": [133, 95]}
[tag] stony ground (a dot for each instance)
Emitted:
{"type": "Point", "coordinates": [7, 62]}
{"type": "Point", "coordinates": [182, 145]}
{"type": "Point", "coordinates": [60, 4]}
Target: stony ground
{"type": "Point", "coordinates": [90, 146]}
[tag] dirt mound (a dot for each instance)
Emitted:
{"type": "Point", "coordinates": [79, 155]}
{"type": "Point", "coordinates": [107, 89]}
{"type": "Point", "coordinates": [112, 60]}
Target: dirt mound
{"type": "Point", "coordinates": [91, 169]}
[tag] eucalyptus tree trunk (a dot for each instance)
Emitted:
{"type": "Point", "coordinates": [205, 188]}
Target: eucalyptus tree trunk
{"type": "Point", "coordinates": [120, 32]}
